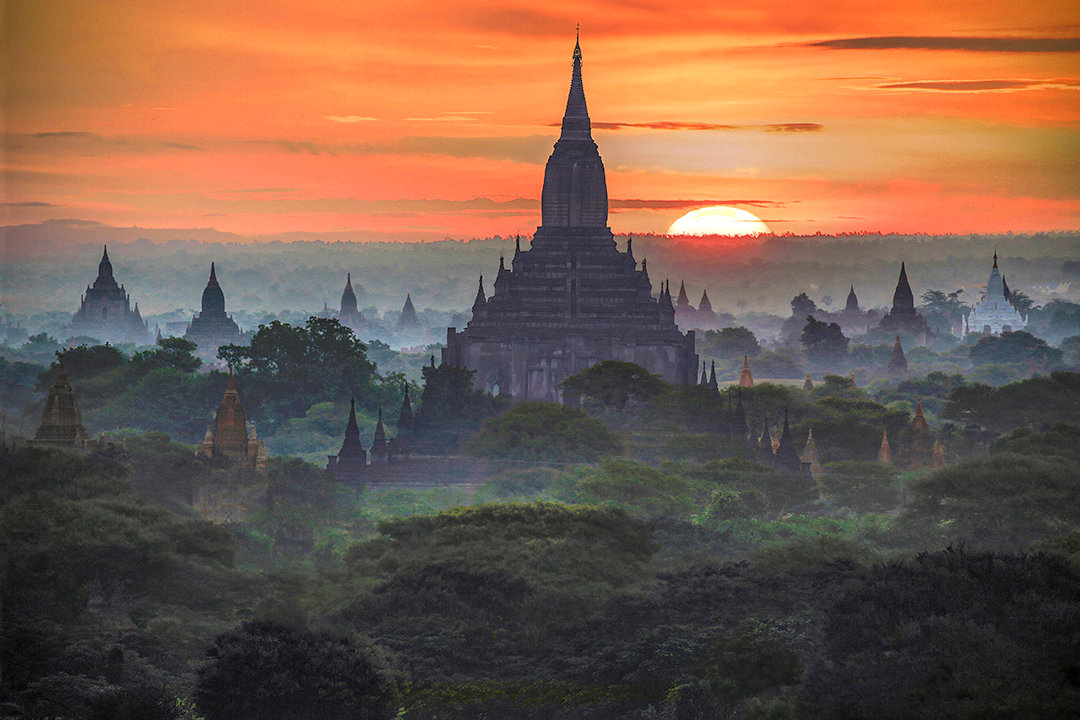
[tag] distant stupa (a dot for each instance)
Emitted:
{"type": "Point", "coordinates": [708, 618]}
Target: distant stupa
{"type": "Point", "coordinates": [61, 422]}
{"type": "Point", "coordinates": [995, 314]}
{"type": "Point", "coordinates": [212, 328]}
{"type": "Point", "coordinates": [105, 312]}
{"type": "Point", "coordinates": [408, 318]}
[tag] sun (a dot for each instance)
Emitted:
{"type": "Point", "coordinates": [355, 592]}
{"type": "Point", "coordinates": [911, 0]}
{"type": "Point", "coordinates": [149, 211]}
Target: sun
{"type": "Point", "coordinates": [719, 220]}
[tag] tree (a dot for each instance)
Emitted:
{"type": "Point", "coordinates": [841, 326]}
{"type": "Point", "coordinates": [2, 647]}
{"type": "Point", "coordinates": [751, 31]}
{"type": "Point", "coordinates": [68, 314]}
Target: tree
{"type": "Point", "coordinates": [613, 383]}
{"type": "Point", "coordinates": [451, 408]}
{"type": "Point", "coordinates": [544, 431]}
{"type": "Point", "coordinates": [290, 368]}
{"type": "Point", "coordinates": [802, 305]}
{"type": "Point", "coordinates": [1013, 347]}
{"type": "Point", "coordinates": [730, 342]}
{"type": "Point", "coordinates": [1021, 301]}
{"type": "Point", "coordinates": [823, 342]}
{"type": "Point", "coordinates": [941, 310]}
{"type": "Point", "coordinates": [862, 486]}
{"type": "Point", "coordinates": [266, 670]}
{"type": "Point", "coordinates": [174, 352]}
{"type": "Point", "coordinates": [83, 362]}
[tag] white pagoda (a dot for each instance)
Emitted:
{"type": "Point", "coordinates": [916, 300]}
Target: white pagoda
{"type": "Point", "coordinates": [995, 314]}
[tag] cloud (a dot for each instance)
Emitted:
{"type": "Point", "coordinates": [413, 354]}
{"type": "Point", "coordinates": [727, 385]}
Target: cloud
{"type": "Point", "coordinates": [675, 125]}
{"type": "Point", "coordinates": [65, 134]}
{"type": "Point", "coordinates": [31, 203]}
{"type": "Point", "coordinates": [971, 44]}
{"type": "Point", "coordinates": [639, 204]}
{"type": "Point", "coordinates": [981, 85]}
{"type": "Point", "coordinates": [349, 118]}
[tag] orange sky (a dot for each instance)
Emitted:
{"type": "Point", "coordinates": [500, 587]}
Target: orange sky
{"type": "Point", "coordinates": [432, 119]}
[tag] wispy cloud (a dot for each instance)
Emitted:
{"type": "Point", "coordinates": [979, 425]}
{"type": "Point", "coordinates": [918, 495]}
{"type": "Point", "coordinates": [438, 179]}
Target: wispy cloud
{"type": "Point", "coordinates": [971, 44]}
{"type": "Point", "coordinates": [640, 204]}
{"type": "Point", "coordinates": [349, 118]}
{"type": "Point", "coordinates": [31, 203]}
{"type": "Point", "coordinates": [675, 125]}
{"type": "Point", "coordinates": [981, 85]}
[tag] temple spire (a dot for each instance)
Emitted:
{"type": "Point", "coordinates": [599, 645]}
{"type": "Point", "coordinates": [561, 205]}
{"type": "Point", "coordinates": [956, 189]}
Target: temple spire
{"type": "Point", "coordinates": [481, 299]}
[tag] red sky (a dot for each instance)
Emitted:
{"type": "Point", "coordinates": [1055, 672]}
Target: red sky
{"type": "Point", "coordinates": [432, 119]}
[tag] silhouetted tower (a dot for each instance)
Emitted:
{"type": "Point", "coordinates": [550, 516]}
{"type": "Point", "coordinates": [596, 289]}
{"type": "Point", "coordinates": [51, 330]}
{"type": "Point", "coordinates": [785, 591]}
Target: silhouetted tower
{"type": "Point", "coordinates": [408, 318]}
{"type": "Point", "coordinates": [852, 305]}
{"type": "Point", "coordinates": [787, 457]}
{"type": "Point", "coordinates": [61, 421]}
{"type": "Point", "coordinates": [349, 314]}
{"type": "Point", "coordinates": [897, 363]}
{"type": "Point", "coordinates": [212, 328]}
{"type": "Point", "coordinates": [712, 377]}
{"type": "Point", "coordinates": [350, 464]}
{"type": "Point", "coordinates": [105, 310]}
{"type": "Point", "coordinates": [575, 189]}
{"type": "Point", "coordinates": [705, 307]}
{"type": "Point", "coordinates": [380, 452]}
{"type": "Point", "coordinates": [808, 384]}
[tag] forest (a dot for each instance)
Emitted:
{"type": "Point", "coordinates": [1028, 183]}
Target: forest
{"type": "Point", "coordinates": [638, 556]}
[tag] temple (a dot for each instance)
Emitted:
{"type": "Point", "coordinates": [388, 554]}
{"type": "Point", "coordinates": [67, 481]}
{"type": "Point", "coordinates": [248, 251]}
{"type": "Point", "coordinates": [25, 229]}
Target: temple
{"type": "Point", "coordinates": [573, 299]}
{"type": "Point", "coordinates": [994, 314]}
{"type": "Point", "coordinates": [351, 464]}
{"type": "Point", "coordinates": [903, 318]}
{"type": "Point", "coordinates": [105, 312]}
{"type": "Point", "coordinates": [408, 318]}
{"type": "Point", "coordinates": [897, 361]}
{"type": "Point", "coordinates": [61, 422]}
{"type": "Point", "coordinates": [349, 314]}
{"type": "Point", "coordinates": [228, 440]}
{"type": "Point", "coordinates": [212, 328]}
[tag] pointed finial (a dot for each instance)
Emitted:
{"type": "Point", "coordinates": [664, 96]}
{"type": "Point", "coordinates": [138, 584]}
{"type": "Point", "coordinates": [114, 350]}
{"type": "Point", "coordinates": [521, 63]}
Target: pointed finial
{"type": "Point", "coordinates": [995, 257]}
{"type": "Point", "coordinates": [213, 272]}
{"type": "Point", "coordinates": [502, 264]}
{"type": "Point", "coordinates": [517, 244]}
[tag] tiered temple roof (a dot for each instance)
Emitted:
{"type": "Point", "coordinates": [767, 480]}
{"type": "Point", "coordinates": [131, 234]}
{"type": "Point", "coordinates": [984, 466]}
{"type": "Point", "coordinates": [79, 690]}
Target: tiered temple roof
{"type": "Point", "coordinates": [212, 328]}
{"type": "Point", "coordinates": [572, 299]}
{"type": "Point", "coordinates": [228, 439]}
{"type": "Point", "coordinates": [61, 422]}
{"type": "Point", "coordinates": [995, 314]}
{"type": "Point", "coordinates": [105, 310]}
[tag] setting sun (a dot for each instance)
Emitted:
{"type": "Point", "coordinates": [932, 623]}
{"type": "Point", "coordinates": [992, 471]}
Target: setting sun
{"type": "Point", "coordinates": [719, 220]}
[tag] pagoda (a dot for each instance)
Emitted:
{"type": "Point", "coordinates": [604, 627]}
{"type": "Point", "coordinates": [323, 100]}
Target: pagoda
{"type": "Point", "coordinates": [995, 314]}
{"type": "Point", "coordinates": [228, 439]}
{"type": "Point", "coordinates": [61, 422]}
{"type": "Point", "coordinates": [105, 310]}
{"type": "Point", "coordinates": [350, 464]}
{"type": "Point", "coordinates": [212, 328]}
{"type": "Point", "coordinates": [903, 318]}
{"type": "Point", "coordinates": [349, 314]}
{"type": "Point", "coordinates": [573, 299]}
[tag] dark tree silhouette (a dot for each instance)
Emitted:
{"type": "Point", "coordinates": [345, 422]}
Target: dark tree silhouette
{"type": "Point", "coordinates": [265, 670]}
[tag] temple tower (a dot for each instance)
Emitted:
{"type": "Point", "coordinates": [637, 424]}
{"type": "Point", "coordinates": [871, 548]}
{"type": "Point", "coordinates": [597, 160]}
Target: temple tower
{"type": "Point", "coordinates": [212, 328]}
{"type": "Point", "coordinates": [229, 440]}
{"type": "Point", "coordinates": [898, 361]}
{"type": "Point", "coordinates": [746, 378]}
{"type": "Point", "coordinates": [350, 464]}
{"type": "Point", "coordinates": [903, 318]}
{"type": "Point", "coordinates": [408, 318]}
{"type": "Point", "coordinates": [105, 310]}
{"type": "Point", "coordinates": [572, 299]}
{"type": "Point", "coordinates": [349, 314]}
{"type": "Point", "coordinates": [61, 421]}
{"type": "Point", "coordinates": [995, 313]}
